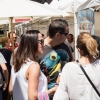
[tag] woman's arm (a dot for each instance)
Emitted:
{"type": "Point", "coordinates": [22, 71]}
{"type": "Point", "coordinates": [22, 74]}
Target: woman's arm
{"type": "Point", "coordinates": [32, 75]}
{"type": "Point", "coordinates": [5, 73]}
{"type": "Point", "coordinates": [10, 86]}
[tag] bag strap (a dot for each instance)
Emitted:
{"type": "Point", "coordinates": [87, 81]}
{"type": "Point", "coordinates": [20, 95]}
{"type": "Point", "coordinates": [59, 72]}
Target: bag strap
{"type": "Point", "coordinates": [88, 78]}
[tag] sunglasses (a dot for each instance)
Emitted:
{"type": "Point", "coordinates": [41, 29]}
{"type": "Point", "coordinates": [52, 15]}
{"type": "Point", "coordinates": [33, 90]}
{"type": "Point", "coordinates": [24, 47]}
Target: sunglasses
{"type": "Point", "coordinates": [15, 37]}
{"type": "Point", "coordinates": [41, 41]}
{"type": "Point", "coordinates": [66, 34]}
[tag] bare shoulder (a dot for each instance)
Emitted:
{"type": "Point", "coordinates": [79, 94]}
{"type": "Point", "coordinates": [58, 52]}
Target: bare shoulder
{"type": "Point", "coordinates": [34, 66]}
{"type": "Point", "coordinates": [33, 70]}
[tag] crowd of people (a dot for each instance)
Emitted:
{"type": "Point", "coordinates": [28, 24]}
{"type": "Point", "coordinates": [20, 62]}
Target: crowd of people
{"type": "Point", "coordinates": [46, 69]}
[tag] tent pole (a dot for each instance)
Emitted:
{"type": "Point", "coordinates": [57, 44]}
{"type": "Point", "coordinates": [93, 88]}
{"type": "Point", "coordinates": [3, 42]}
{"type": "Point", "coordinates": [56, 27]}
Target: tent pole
{"type": "Point", "coordinates": [11, 24]}
{"type": "Point", "coordinates": [76, 34]}
{"type": "Point", "coordinates": [32, 22]}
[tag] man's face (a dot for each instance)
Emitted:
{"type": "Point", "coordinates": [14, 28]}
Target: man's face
{"type": "Point", "coordinates": [69, 39]}
{"type": "Point", "coordinates": [14, 37]}
{"type": "Point", "coordinates": [63, 37]}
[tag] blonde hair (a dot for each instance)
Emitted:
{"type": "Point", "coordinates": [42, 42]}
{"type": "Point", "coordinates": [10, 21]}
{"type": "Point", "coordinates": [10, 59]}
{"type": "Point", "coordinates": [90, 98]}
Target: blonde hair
{"type": "Point", "coordinates": [3, 41]}
{"type": "Point", "coordinates": [87, 44]}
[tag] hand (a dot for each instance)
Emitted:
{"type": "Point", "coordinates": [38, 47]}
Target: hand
{"type": "Point", "coordinates": [52, 90]}
{"type": "Point", "coordinates": [5, 86]}
{"type": "Point", "coordinates": [48, 92]}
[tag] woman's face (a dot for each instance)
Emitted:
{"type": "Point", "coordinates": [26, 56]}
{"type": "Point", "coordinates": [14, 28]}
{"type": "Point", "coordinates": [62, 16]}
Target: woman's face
{"type": "Point", "coordinates": [40, 44]}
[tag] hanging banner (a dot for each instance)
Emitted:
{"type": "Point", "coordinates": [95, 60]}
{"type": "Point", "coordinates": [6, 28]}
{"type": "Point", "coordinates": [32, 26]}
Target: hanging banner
{"type": "Point", "coordinates": [22, 20]}
{"type": "Point", "coordinates": [86, 20]}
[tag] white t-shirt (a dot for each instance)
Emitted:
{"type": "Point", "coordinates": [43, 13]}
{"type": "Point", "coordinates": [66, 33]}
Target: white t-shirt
{"type": "Point", "coordinates": [75, 86]}
{"type": "Point", "coordinates": [2, 59]}
{"type": "Point", "coordinates": [20, 83]}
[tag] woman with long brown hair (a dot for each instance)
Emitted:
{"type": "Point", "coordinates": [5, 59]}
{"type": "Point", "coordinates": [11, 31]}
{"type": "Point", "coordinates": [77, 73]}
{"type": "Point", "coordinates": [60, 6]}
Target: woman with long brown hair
{"type": "Point", "coordinates": [26, 78]}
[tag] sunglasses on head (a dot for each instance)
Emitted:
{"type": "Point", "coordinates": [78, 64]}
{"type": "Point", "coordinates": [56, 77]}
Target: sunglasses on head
{"type": "Point", "coordinates": [41, 41]}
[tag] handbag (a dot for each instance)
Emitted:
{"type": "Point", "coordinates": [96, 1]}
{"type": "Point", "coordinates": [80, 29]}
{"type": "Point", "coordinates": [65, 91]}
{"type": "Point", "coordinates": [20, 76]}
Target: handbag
{"type": "Point", "coordinates": [88, 78]}
{"type": "Point", "coordinates": [43, 96]}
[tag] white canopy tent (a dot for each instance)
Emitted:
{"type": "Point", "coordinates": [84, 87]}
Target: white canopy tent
{"type": "Point", "coordinates": [78, 4]}
{"type": "Point", "coordinates": [15, 8]}
{"type": "Point", "coordinates": [60, 3]}
{"type": "Point", "coordinates": [21, 9]}
{"type": "Point", "coordinates": [64, 5]}
{"type": "Point", "coordinates": [86, 4]}
{"type": "Point", "coordinates": [93, 3]}
{"type": "Point", "coordinates": [58, 10]}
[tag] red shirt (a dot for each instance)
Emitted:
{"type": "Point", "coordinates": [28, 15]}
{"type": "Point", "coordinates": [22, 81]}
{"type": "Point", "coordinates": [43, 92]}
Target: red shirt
{"type": "Point", "coordinates": [15, 45]}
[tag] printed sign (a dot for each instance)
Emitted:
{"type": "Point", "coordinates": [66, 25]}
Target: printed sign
{"type": "Point", "coordinates": [86, 20]}
{"type": "Point", "coordinates": [22, 20]}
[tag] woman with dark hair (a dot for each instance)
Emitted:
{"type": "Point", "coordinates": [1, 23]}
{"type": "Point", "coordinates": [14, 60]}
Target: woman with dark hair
{"type": "Point", "coordinates": [74, 84]}
{"type": "Point", "coordinates": [26, 78]}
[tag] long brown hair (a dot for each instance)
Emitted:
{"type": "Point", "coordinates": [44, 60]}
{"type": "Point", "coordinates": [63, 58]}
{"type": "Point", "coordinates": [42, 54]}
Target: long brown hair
{"type": "Point", "coordinates": [27, 49]}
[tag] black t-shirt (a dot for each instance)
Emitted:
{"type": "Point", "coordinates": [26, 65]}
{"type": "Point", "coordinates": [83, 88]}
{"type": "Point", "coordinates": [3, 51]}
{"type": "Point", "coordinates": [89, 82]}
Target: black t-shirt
{"type": "Point", "coordinates": [63, 46]}
{"type": "Point", "coordinates": [54, 58]}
